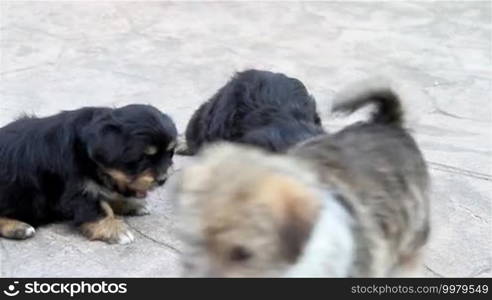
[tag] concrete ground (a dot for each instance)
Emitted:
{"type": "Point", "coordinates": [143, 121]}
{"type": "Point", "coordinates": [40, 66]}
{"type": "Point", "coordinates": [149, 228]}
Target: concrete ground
{"type": "Point", "coordinates": [65, 55]}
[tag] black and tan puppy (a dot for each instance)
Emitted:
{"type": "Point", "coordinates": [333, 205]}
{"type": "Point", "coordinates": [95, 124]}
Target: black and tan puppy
{"type": "Point", "coordinates": [352, 204]}
{"type": "Point", "coordinates": [82, 166]}
{"type": "Point", "coordinates": [261, 108]}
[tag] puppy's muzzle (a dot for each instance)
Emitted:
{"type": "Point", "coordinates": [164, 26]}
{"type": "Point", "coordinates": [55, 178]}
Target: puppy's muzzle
{"type": "Point", "coordinates": [161, 179]}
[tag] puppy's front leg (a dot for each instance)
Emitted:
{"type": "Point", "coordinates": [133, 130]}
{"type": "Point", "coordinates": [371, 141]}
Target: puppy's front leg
{"type": "Point", "coordinates": [129, 206]}
{"type": "Point", "coordinates": [14, 229]}
{"type": "Point", "coordinates": [108, 228]}
{"type": "Point", "coordinates": [92, 215]}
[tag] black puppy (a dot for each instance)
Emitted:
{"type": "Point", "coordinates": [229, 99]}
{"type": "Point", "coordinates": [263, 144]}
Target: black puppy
{"type": "Point", "coordinates": [261, 108]}
{"type": "Point", "coordinates": [82, 166]}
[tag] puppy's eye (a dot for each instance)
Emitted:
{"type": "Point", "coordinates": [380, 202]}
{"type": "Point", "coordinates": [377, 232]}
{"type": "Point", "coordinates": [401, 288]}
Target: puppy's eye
{"type": "Point", "coordinates": [151, 150]}
{"type": "Point", "coordinates": [240, 254]}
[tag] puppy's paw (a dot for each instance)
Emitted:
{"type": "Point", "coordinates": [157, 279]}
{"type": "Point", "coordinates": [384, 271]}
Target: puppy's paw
{"type": "Point", "coordinates": [109, 229]}
{"type": "Point", "coordinates": [24, 231]}
{"type": "Point", "coordinates": [130, 207]}
{"type": "Point", "coordinates": [123, 237]}
{"type": "Point", "coordinates": [141, 211]}
{"type": "Point", "coordinates": [17, 230]}
{"type": "Point", "coordinates": [182, 147]}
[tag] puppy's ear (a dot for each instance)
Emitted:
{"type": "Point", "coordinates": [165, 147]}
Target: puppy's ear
{"type": "Point", "coordinates": [296, 209]}
{"type": "Point", "coordinates": [295, 230]}
{"type": "Point", "coordinates": [169, 125]}
{"type": "Point", "coordinates": [104, 139]}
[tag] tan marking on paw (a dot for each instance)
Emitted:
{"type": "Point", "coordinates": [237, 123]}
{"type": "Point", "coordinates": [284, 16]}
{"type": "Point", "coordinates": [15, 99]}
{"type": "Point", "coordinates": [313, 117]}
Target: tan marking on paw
{"type": "Point", "coordinates": [13, 229]}
{"type": "Point", "coordinates": [109, 229]}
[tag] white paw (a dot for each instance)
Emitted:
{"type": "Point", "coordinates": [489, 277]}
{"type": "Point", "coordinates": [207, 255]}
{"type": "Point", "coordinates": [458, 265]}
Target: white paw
{"type": "Point", "coordinates": [125, 237]}
{"type": "Point", "coordinates": [137, 207]}
{"type": "Point", "coordinates": [142, 210]}
{"type": "Point", "coordinates": [30, 231]}
{"type": "Point", "coordinates": [21, 231]}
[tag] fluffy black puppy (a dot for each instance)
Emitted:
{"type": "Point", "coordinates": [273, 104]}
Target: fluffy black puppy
{"type": "Point", "coordinates": [82, 166]}
{"type": "Point", "coordinates": [261, 108]}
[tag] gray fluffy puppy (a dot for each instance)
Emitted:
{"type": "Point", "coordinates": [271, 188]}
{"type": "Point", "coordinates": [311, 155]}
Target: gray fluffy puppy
{"type": "Point", "coordinates": [352, 204]}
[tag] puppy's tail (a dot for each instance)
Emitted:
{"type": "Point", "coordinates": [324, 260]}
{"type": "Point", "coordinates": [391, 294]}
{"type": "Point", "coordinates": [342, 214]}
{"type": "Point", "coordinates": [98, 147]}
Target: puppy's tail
{"type": "Point", "coordinates": [388, 108]}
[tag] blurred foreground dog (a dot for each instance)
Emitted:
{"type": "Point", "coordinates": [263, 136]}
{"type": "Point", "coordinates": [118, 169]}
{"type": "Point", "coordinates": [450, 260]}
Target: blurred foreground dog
{"type": "Point", "coordinates": [259, 108]}
{"type": "Point", "coordinates": [84, 166]}
{"type": "Point", "coordinates": [352, 204]}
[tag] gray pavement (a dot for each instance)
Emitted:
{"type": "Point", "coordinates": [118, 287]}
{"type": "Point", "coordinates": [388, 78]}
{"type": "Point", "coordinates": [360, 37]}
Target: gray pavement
{"type": "Point", "coordinates": [58, 56]}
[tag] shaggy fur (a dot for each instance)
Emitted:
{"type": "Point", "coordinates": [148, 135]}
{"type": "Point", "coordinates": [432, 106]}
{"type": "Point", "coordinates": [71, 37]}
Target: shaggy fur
{"type": "Point", "coordinates": [261, 108]}
{"type": "Point", "coordinates": [352, 204]}
{"type": "Point", "coordinates": [62, 167]}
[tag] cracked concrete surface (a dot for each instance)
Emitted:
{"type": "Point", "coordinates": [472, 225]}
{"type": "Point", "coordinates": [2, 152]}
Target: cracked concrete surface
{"type": "Point", "coordinates": [64, 55]}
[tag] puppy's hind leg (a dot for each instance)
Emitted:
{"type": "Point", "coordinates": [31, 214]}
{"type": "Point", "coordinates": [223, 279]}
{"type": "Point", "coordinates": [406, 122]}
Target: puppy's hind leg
{"type": "Point", "coordinates": [13, 229]}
